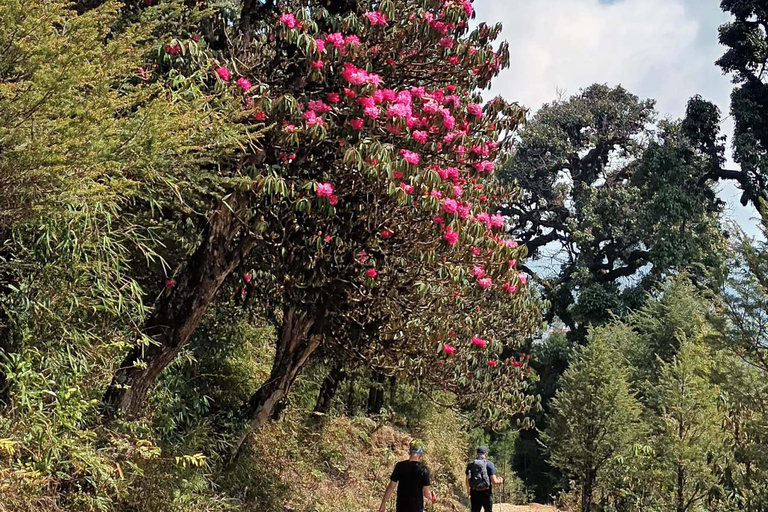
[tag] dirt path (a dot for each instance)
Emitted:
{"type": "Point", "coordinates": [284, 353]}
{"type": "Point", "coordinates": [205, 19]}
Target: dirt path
{"type": "Point", "coordinates": [501, 507]}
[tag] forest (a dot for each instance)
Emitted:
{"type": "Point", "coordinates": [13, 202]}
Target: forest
{"type": "Point", "coordinates": [253, 250]}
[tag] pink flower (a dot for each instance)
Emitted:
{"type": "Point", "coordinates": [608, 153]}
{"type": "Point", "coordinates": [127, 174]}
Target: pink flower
{"type": "Point", "coordinates": [318, 106]}
{"type": "Point", "coordinates": [247, 278]}
{"type": "Point", "coordinates": [463, 210]}
{"type": "Point", "coordinates": [478, 272]}
{"type": "Point", "coordinates": [397, 175]}
{"type": "Point", "coordinates": [170, 283]}
{"type": "Point", "coordinates": [420, 136]}
{"type": "Point", "coordinates": [512, 264]}
{"type": "Point", "coordinates": [362, 256]}
{"type": "Point", "coordinates": [143, 73]}
{"type": "Point", "coordinates": [318, 64]}
{"type": "Point", "coordinates": [398, 110]}
{"type": "Point", "coordinates": [376, 18]}
{"type": "Point", "coordinates": [457, 191]}
{"type": "Point", "coordinates": [372, 273]}
{"type": "Point", "coordinates": [372, 112]}
{"type": "Point", "coordinates": [483, 218]}
{"type": "Point", "coordinates": [244, 83]}
{"type": "Point", "coordinates": [436, 194]}
{"type": "Point", "coordinates": [468, 9]}
{"type": "Point", "coordinates": [497, 221]}
{"type": "Point", "coordinates": [333, 97]}
{"type": "Point", "coordinates": [410, 157]}
{"type": "Point", "coordinates": [354, 75]}
{"type": "Point", "coordinates": [450, 206]}
{"type": "Point", "coordinates": [523, 278]}
{"type": "Point", "coordinates": [349, 92]}
{"type": "Point", "coordinates": [509, 288]}
{"type": "Point", "coordinates": [290, 128]}
{"type": "Point", "coordinates": [328, 238]}
{"type": "Point", "coordinates": [476, 251]}
{"type": "Point", "coordinates": [475, 110]}
{"type": "Point", "coordinates": [324, 190]}
{"type": "Point", "coordinates": [320, 45]}
{"type": "Point", "coordinates": [478, 342]}
{"type": "Point", "coordinates": [484, 283]}
{"type": "Point", "coordinates": [288, 19]}
{"type": "Point", "coordinates": [484, 166]}
{"type": "Point", "coordinates": [312, 118]}
{"type": "Point", "coordinates": [454, 60]}
{"type": "Point", "coordinates": [446, 42]}
{"type": "Point", "coordinates": [449, 122]}
{"type": "Point", "coordinates": [357, 124]}
{"type": "Point", "coordinates": [333, 200]}
{"type": "Point", "coordinates": [451, 236]}
{"type": "Point", "coordinates": [336, 39]}
{"type": "Point", "coordinates": [386, 233]}
{"type": "Point", "coordinates": [352, 39]}
{"type": "Point", "coordinates": [448, 349]}
{"type": "Point", "coordinates": [408, 188]}
{"type": "Point", "coordinates": [223, 73]}
{"type": "Point", "coordinates": [438, 220]}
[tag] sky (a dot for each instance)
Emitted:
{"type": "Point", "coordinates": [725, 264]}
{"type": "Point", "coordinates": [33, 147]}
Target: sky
{"type": "Point", "coordinates": [660, 49]}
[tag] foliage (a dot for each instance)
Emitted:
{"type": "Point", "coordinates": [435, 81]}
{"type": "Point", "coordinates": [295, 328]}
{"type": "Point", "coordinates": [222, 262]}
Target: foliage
{"type": "Point", "coordinates": [617, 201]}
{"type": "Point", "coordinates": [746, 40]}
{"type": "Point", "coordinates": [595, 416]}
{"type": "Point", "coordinates": [689, 436]}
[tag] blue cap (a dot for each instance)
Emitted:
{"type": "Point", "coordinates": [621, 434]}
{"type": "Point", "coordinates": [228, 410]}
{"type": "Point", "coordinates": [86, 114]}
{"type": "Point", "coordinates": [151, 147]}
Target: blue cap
{"type": "Point", "coordinates": [482, 450]}
{"type": "Point", "coordinates": [416, 447]}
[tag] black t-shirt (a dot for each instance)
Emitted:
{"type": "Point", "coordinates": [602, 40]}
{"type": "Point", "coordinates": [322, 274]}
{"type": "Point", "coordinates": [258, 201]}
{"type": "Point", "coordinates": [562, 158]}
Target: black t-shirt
{"type": "Point", "coordinates": [411, 478]}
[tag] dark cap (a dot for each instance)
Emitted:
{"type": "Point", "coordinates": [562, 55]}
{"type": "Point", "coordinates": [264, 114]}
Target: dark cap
{"type": "Point", "coordinates": [482, 450]}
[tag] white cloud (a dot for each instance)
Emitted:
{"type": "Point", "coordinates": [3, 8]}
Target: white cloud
{"type": "Point", "coordinates": [660, 49]}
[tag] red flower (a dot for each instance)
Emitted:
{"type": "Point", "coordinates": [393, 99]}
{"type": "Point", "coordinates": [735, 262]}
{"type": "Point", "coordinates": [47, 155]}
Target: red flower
{"type": "Point", "coordinates": [324, 190]}
{"type": "Point", "coordinates": [386, 233]}
{"type": "Point", "coordinates": [478, 342]}
{"type": "Point", "coordinates": [247, 277]}
{"type": "Point", "coordinates": [170, 283]}
{"type": "Point", "coordinates": [223, 73]}
{"type": "Point", "coordinates": [492, 363]}
{"type": "Point", "coordinates": [451, 236]}
{"type": "Point", "coordinates": [372, 273]}
{"type": "Point", "coordinates": [448, 349]}
{"type": "Point", "coordinates": [328, 238]}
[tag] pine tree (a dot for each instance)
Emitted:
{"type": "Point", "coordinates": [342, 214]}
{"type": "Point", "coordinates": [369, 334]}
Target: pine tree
{"type": "Point", "coordinates": [594, 414]}
{"type": "Point", "coordinates": [688, 435]}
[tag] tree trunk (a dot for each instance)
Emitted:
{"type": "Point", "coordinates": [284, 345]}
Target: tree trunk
{"type": "Point", "coordinates": [376, 395]}
{"type": "Point", "coordinates": [392, 391]}
{"type": "Point", "coordinates": [586, 492]}
{"type": "Point", "coordinates": [680, 499]}
{"type": "Point", "coordinates": [179, 313]}
{"type": "Point", "coordinates": [351, 395]}
{"type": "Point", "coordinates": [329, 388]}
{"type": "Point", "coordinates": [294, 347]}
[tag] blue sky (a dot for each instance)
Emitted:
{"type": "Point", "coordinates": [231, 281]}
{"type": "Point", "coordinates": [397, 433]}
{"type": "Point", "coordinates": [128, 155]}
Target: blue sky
{"type": "Point", "coordinates": [660, 49]}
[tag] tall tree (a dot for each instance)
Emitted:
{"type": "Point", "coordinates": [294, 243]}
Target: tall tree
{"type": "Point", "coordinates": [595, 415]}
{"type": "Point", "coordinates": [358, 194]}
{"type": "Point", "coordinates": [746, 58]}
{"type": "Point", "coordinates": [690, 440]}
{"type": "Point", "coordinates": [615, 203]}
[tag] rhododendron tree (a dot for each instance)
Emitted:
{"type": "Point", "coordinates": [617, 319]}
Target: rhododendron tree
{"type": "Point", "coordinates": [376, 139]}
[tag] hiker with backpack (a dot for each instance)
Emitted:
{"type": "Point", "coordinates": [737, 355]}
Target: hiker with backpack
{"type": "Point", "coordinates": [481, 476]}
{"type": "Point", "coordinates": [411, 478]}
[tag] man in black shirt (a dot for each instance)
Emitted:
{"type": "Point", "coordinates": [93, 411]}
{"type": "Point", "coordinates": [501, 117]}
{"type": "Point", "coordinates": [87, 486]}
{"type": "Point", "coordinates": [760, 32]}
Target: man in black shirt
{"type": "Point", "coordinates": [411, 478]}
